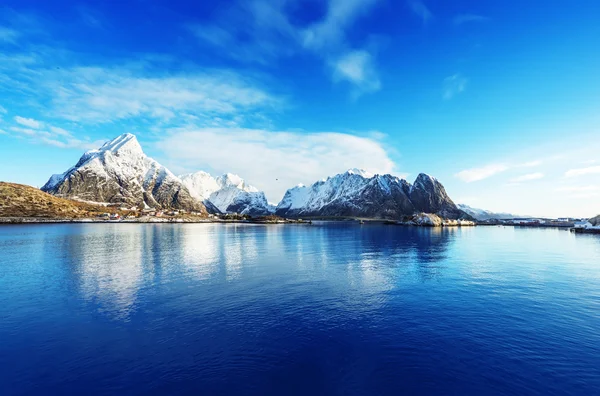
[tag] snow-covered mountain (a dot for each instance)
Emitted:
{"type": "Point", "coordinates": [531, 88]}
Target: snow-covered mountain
{"type": "Point", "coordinates": [481, 214]}
{"type": "Point", "coordinates": [228, 193]}
{"type": "Point", "coordinates": [357, 193]}
{"type": "Point", "coordinates": [120, 172]}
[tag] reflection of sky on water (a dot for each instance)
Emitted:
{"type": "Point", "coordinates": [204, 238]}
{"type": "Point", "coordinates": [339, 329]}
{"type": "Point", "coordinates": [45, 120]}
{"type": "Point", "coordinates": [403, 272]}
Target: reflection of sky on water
{"type": "Point", "coordinates": [111, 268]}
{"type": "Point", "coordinates": [359, 266]}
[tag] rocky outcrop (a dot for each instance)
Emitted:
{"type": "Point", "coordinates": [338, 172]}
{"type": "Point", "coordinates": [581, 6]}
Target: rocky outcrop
{"type": "Point", "coordinates": [429, 195]}
{"type": "Point", "coordinates": [359, 194]}
{"type": "Point", "coordinates": [120, 172]}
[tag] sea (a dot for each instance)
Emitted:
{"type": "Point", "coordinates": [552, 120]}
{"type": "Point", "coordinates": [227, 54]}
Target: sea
{"type": "Point", "coordinates": [332, 308]}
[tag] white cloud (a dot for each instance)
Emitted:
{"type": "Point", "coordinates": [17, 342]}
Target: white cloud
{"type": "Point", "coordinates": [28, 122]}
{"type": "Point", "coordinates": [357, 67]}
{"type": "Point", "coordinates": [421, 10]}
{"type": "Point", "coordinates": [476, 174]}
{"type": "Point", "coordinates": [466, 18]}
{"type": "Point", "coordinates": [582, 171]}
{"type": "Point", "coordinates": [262, 157]}
{"type": "Point", "coordinates": [3, 110]}
{"type": "Point", "coordinates": [454, 85]}
{"type": "Point", "coordinates": [527, 177]}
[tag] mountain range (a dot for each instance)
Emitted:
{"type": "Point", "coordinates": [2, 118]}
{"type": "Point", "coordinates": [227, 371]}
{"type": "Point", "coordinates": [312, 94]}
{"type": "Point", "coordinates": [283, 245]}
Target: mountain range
{"type": "Point", "coordinates": [482, 214]}
{"type": "Point", "coordinates": [357, 193]}
{"type": "Point", "coordinates": [120, 173]}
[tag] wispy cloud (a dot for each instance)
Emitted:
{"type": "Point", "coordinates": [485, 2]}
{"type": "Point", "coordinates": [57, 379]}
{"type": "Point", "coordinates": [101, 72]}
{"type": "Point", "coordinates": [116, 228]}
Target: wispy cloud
{"type": "Point", "coordinates": [262, 31]}
{"type": "Point", "coordinates": [274, 160]}
{"type": "Point", "coordinates": [582, 171]}
{"type": "Point", "coordinates": [24, 131]}
{"type": "Point", "coordinates": [59, 131]}
{"type": "Point", "coordinates": [28, 122]}
{"type": "Point", "coordinates": [421, 10]}
{"type": "Point", "coordinates": [578, 189]}
{"type": "Point", "coordinates": [72, 143]}
{"type": "Point", "coordinates": [106, 94]}
{"type": "Point", "coordinates": [357, 67]}
{"type": "Point", "coordinates": [89, 17]}
{"type": "Point", "coordinates": [532, 164]}
{"type": "Point", "coordinates": [476, 174]}
{"type": "Point", "coordinates": [581, 192]}
{"type": "Point", "coordinates": [8, 35]}
{"type": "Point", "coordinates": [454, 85]}
{"type": "Point", "coordinates": [467, 18]}
{"type": "Point", "coordinates": [527, 177]}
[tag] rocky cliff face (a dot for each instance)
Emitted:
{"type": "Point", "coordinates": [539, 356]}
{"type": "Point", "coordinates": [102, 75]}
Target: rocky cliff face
{"type": "Point", "coordinates": [429, 195]}
{"type": "Point", "coordinates": [120, 172]}
{"type": "Point", "coordinates": [227, 194]}
{"type": "Point", "coordinates": [359, 194]}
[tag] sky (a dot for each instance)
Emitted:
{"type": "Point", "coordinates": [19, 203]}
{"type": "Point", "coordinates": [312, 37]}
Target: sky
{"type": "Point", "coordinates": [498, 100]}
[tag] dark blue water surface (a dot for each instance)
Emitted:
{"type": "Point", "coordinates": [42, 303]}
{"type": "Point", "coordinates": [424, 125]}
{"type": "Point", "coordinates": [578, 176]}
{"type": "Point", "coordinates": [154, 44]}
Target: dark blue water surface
{"type": "Point", "coordinates": [328, 309]}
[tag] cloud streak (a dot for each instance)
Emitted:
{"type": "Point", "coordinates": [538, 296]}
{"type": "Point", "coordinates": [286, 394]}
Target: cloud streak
{"type": "Point", "coordinates": [591, 170]}
{"type": "Point", "coordinates": [477, 174]}
{"type": "Point", "coordinates": [527, 177]}
{"type": "Point", "coordinates": [28, 122]}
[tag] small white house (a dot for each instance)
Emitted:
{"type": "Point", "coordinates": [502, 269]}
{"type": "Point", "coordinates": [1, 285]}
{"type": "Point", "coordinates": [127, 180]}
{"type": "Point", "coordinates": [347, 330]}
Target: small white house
{"type": "Point", "coordinates": [583, 224]}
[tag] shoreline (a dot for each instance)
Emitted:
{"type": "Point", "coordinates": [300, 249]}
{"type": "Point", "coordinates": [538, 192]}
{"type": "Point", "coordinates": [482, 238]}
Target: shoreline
{"type": "Point", "coordinates": [148, 220]}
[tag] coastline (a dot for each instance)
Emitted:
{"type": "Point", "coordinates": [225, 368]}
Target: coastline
{"type": "Point", "coordinates": [142, 220]}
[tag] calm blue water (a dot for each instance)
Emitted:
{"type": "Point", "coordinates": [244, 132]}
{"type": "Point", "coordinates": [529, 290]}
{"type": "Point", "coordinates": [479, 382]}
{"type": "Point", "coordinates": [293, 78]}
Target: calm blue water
{"type": "Point", "coordinates": [335, 309]}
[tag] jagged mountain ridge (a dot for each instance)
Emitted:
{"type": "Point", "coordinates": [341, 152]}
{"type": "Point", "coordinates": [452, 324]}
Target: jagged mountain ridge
{"type": "Point", "coordinates": [120, 172]}
{"type": "Point", "coordinates": [359, 194]}
{"type": "Point", "coordinates": [228, 193]}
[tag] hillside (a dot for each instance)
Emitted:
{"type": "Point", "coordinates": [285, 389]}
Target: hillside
{"type": "Point", "coordinates": [18, 200]}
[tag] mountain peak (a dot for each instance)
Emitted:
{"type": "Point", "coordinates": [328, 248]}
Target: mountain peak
{"type": "Point", "coordinates": [425, 177]}
{"type": "Point", "coordinates": [120, 172]}
{"type": "Point", "coordinates": [126, 143]}
{"type": "Point", "coordinates": [360, 172]}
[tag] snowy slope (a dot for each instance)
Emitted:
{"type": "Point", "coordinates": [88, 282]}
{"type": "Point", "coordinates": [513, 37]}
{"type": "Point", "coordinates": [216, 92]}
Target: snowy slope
{"type": "Point", "coordinates": [357, 193]}
{"type": "Point", "coordinates": [120, 172]}
{"type": "Point", "coordinates": [229, 193]}
{"type": "Point", "coordinates": [481, 214]}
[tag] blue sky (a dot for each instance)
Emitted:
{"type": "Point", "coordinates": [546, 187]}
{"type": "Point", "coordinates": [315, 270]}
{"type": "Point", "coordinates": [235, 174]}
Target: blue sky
{"type": "Point", "coordinates": [498, 100]}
